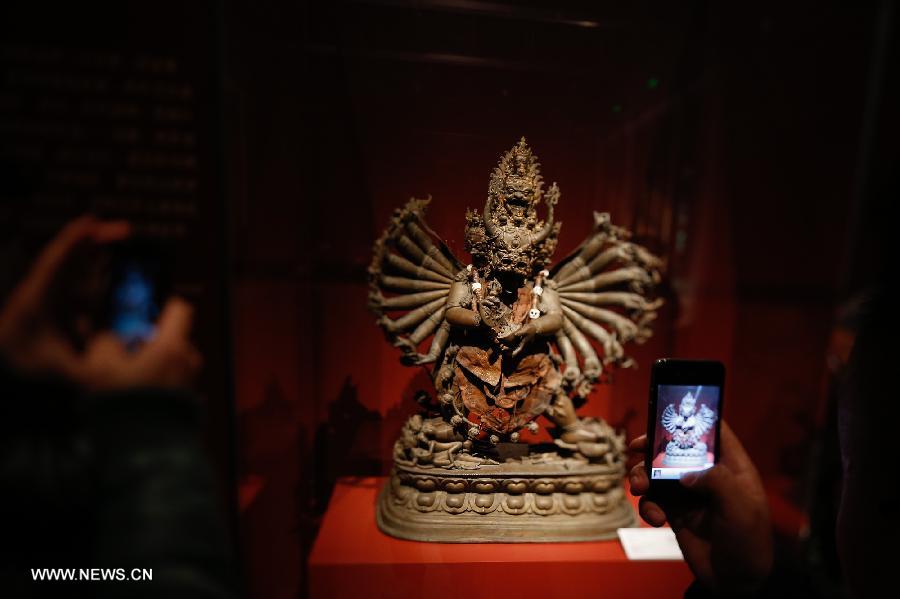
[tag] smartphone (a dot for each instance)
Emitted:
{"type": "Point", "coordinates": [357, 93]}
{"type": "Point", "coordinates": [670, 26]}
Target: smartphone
{"type": "Point", "coordinates": [683, 423]}
{"type": "Point", "coordinates": [138, 286]}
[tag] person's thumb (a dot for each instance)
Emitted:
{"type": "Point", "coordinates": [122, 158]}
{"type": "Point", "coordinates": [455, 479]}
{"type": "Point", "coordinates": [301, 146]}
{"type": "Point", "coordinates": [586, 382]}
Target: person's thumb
{"type": "Point", "coordinates": [717, 480]}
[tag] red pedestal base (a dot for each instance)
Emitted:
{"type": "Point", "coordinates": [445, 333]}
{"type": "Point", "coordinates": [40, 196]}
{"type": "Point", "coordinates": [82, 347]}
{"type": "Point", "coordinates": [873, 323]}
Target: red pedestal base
{"type": "Point", "coordinates": [352, 558]}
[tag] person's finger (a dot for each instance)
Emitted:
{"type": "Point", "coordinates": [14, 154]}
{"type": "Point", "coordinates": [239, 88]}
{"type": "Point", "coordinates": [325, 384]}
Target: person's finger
{"type": "Point", "coordinates": [731, 452]}
{"type": "Point", "coordinates": [638, 481]}
{"type": "Point", "coordinates": [194, 359]}
{"type": "Point", "coordinates": [651, 512]}
{"type": "Point", "coordinates": [110, 230]}
{"type": "Point", "coordinates": [175, 320]}
{"type": "Point", "coordinates": [638, 444]}
{"type": "Point", "coordinates": [32, 290]}
{"type": "Point", "coordinates": [33, 287]}
{"type": "Point", "coordinates": [104, 352]}
{"type": "Point", "coordinates": [717, 481]}
{"type": "Point", "coordinates": [58, 356]}
{"type": "Point", "coordinates": [106, 342]}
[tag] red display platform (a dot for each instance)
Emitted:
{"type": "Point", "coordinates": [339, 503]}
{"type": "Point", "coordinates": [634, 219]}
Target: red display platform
{"type": "Point", "coordinates": [352, 558]}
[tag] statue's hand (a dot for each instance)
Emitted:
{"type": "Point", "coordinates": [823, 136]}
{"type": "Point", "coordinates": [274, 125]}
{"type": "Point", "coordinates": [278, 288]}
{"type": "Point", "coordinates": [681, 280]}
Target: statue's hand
{"type": "Point", "coordinates": [524, 334]}
{"type": "Point", "coordinates": [415, 358]}
{"type": "Point", "coordinates": [485, 306]}
{"type": "Point", "coordinates": [526, 330]}
{"type": "Point", "coordinates": [422, 359]}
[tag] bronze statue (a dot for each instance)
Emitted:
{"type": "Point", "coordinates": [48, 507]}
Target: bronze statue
{"type": "Point", "coordinates": [510, 341]}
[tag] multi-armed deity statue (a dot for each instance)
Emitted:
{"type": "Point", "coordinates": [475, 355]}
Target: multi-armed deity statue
{"type": "Point", "coordinates": [512, 339]}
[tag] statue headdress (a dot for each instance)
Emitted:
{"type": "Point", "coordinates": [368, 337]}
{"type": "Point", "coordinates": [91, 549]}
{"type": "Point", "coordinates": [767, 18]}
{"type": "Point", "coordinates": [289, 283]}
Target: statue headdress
{"type": "Point", "coordinates": [507, 235]}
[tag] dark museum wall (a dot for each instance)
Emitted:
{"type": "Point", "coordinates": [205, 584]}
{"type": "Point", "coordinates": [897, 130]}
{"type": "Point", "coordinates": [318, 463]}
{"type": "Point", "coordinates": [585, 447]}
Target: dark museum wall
{"type": "Point", "coordinates": [732, 140]}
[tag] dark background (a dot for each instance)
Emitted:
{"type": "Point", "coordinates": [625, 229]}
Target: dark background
{"type": "Point", "coordinates": [750, 144]}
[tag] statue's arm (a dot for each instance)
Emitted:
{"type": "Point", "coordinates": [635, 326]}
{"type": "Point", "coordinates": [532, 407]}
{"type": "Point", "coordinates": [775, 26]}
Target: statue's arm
{"type": "Point", "coordinates": [552, 320]}
{"type": "Point", "coordinates": [456, 314]}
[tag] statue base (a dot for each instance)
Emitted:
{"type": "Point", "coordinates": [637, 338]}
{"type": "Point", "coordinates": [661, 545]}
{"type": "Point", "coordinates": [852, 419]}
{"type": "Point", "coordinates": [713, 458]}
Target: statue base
{"type": "Point", "coordinates": [533, 499]}
{"type": "Point", "coordinates": [684, 457]}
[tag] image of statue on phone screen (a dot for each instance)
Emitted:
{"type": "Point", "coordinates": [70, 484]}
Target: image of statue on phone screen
{"type": "Point", "coordinates": [686, 427]}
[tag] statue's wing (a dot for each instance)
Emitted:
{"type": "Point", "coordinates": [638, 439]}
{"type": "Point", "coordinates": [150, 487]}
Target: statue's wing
{"type": "Point", "coordinates": [706, 419]}
{"type": "Point", "coordinates": [409, 281]}
{"type": "Point", "coordinates": [604, 289]}
{"type": "Point", "coordinates": [668, 418]}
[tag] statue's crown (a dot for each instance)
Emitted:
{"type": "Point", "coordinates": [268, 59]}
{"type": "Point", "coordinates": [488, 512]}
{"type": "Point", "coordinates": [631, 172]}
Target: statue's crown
{"type": "Point", "coordinates": [509, 236]}
{"type": "Point", "coordinates": [518, 171]}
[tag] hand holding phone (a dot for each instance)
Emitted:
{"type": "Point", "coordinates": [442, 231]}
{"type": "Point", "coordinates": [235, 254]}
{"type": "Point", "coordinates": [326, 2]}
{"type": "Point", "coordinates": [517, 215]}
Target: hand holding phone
{"type": "Point", "coordinates": [56, 322]}
{"type": "Point", "coordinates": [717, 508]}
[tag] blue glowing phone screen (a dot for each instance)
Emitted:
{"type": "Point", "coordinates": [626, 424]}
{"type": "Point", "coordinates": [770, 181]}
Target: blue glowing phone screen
{"type": "Point", "coordinates": [134, 306]}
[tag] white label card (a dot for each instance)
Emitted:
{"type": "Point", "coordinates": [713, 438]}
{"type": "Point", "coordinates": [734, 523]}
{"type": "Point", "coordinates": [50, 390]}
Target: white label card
{"type": "Point", "coordinates": [650, 544]}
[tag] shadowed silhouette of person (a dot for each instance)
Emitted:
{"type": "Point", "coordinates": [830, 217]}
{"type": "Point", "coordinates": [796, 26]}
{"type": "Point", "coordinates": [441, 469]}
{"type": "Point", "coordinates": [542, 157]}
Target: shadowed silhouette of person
{"type": "Point", "coordinates": [101, 463]}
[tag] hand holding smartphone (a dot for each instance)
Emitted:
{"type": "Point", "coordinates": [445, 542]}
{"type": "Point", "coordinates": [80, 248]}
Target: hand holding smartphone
{"type": "Point", "coordinates": [719, 513]}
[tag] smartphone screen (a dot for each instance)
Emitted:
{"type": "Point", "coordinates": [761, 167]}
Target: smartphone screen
{"type": "Point", "coordinates": [137, 289]}
{"type": "Point", "coordinates": [134, 304]}
{"type": "Point", "coordinates": [683, 421]}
